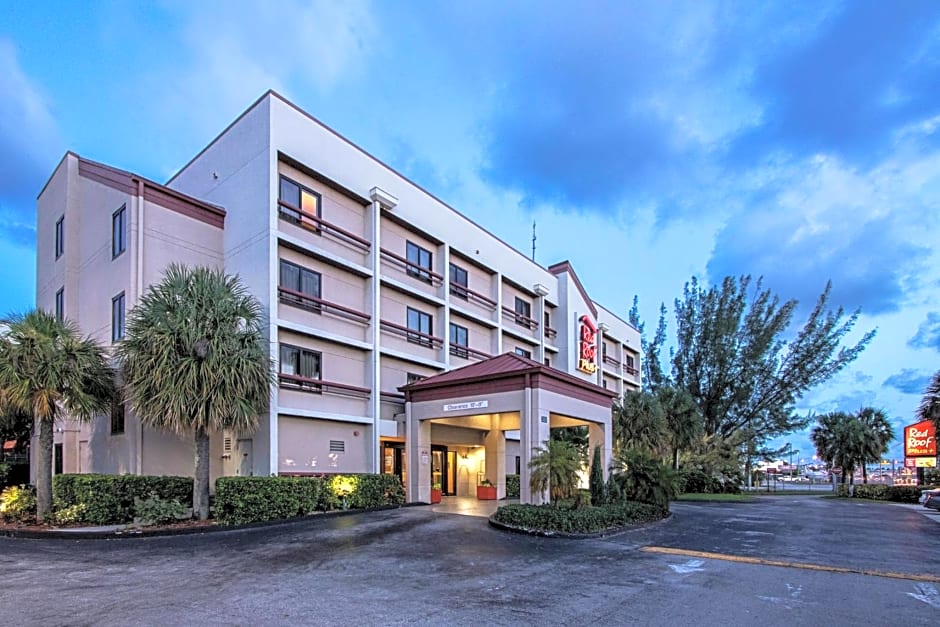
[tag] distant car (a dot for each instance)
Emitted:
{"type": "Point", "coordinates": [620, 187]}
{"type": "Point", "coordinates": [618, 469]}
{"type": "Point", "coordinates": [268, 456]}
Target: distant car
{"type": "Point", "coordinates": [930, 498]}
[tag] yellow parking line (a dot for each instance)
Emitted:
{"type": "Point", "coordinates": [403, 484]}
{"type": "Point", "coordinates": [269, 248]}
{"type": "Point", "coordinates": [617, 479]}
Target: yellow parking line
{"type": "Point", "coordinates": [765, 562]}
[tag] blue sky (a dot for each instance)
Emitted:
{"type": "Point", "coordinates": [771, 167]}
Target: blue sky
{"type": "Point", "coordinates": [797, 141]}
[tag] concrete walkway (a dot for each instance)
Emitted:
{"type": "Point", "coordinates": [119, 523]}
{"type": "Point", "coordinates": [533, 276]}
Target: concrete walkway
{"type": "Point", "coordinates": [469, 506]}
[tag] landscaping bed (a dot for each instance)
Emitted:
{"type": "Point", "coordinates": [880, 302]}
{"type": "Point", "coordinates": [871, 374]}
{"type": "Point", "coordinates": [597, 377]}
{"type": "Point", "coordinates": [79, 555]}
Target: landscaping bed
{"type": "Point", "coordinates": [554, 520]}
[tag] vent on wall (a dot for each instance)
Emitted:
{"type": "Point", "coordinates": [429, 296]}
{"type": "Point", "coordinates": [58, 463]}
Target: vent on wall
{"type": "Point", "coordinates": [227, 445]}
{"type": "Point", "coordinates": [337, 446]}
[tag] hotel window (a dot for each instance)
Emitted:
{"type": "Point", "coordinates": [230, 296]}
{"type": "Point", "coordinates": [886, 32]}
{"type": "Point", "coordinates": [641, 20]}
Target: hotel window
{"type": "Point", "coordinates": [118, 231]}
{"type": "Point", "coordinates": [299, 204]}
{"type": "Point", "coordinates": [299, 362]}
{"type": "Point", "coordinates": [629, 363]}
{"type": "Point", "coordinates": [548, 362]}
{"type": "Point", "coordinates": [117, 416]}
{"type": "Point", "coordinates": [413, 377]}
{"type": "Point", "coordinates": [304, 286]}
{"type": "Point", "coordinates": [523, 312]}
{"type": "Point", "coordinates": [523, 353]}
{"type": "Point", "coordinates": [60, 304]}
{"type": "Point", "coordinates": [117, 317]}
{"type": "Point", "coordinates": [548, 320]}
{"type": "Point", "coordinates": [419, 261]}
{"type": "Point", "coordinates": [458, 282]}
{"type": "Point", "coordinates": [60, 237]}
{"type": "Point", "coordinates": [604, 349]}
{"type": "Point", "coordinates": [420, 322]}
{"type": "Point", "coordinates": [458, 341]}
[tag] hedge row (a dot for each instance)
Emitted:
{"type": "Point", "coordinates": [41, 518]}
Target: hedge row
{"type": "Point", "coordinates": [552, 518]}
{"type": "Point", "coordinates": [109, 499]}
{"type": "Point", "coordinates": [240, 500]}
{"type": "Point", "coordinates": [512, 486]}
{"type": "Point", "coordinates": [881, 492]}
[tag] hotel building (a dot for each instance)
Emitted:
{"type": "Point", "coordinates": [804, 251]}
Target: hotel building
{"type": "Point", "coordinates": [407, 338]}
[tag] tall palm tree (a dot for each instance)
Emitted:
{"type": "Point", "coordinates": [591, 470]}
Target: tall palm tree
{"type": "Point", "coordinates": [638, 422]}
{"type": "Point", "coordinates": [878, 435]}
{"type": "Point", "coordinates": [555, 467]}
{"type": "Point", "coordinates": [48, 370]}
{"type": "Point", "coordinates": [195, 360]}
{"type": "Point", "coordinates": [683, 418]}
{"type": "Point", "coordinates": [930, 405]}
{"type": "Point", "coordinates": [840, 440]}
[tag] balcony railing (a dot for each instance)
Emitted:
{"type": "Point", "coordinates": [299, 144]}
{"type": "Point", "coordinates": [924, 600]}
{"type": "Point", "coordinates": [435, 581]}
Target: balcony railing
{"type": "Point", "coordinates": [319, 386]}
{"type": "Point", "coordinates": [521, 319]}
{"type": "Point", "coordinates": [316, 224]}
{"type": "Point", "coordinates": [460, 350]}
{"type": "Point", "coordinates": [611, 361]}
{"type": "Point", "coordinates": [464, 292]}
{"type": "Point", "coordinates": [413, 269]}
{"type": "Point", "coordinates": [551, 333]}
{"type": "Point", "coordinates": [413, 336]}
{"type": "Point", "coordinates": [318, 305]}
{"type": "Point", "coordinates": [630, 370]}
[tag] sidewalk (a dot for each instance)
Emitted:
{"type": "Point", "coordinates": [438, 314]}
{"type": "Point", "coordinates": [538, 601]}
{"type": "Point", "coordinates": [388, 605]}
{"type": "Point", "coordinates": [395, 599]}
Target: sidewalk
{"type": "Point", "coordinates": [931, 514]}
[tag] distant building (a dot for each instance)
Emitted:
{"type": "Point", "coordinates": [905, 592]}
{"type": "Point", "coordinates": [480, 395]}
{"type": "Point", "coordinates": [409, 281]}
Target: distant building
{"type": "Point", "coordinates": [373, 287]}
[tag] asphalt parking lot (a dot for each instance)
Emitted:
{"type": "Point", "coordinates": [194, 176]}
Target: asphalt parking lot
{"type": "Point", "coordinates": [414, 566]}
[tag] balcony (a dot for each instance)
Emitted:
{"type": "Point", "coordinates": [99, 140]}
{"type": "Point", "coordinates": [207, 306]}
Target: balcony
{"type": "Point", "coordinates": [460, 350]}
{"type": "Point", "coordinates": [316, 224]}
{"type": "Point", "coordinates": [319, 386]}
{"type": "Point", "coordinates": [318, 305]}
{"type": "Point", "coordinates": [421, 273]}
{"type": "Point", "coordinates": [413, 336]}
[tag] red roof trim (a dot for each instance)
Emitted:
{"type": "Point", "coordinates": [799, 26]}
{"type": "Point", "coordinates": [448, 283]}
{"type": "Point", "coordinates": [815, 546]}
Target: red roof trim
{"type": "Point", "coordinates": [565, 266]}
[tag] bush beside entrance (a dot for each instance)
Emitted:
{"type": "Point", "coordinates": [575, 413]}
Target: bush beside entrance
{"type": "Point", "coordinates": [241, 500]}
{"type": "Point", "coordinates": [881, 492]}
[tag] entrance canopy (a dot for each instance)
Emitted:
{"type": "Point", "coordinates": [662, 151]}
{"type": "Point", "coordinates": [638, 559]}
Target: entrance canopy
{"type": "Point", "coordinates": [503, 393]}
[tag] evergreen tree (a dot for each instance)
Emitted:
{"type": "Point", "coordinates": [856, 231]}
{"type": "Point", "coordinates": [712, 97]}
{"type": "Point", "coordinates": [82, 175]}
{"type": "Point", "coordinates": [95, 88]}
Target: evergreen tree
{"type": "Point", "coordinates": [596, 479]}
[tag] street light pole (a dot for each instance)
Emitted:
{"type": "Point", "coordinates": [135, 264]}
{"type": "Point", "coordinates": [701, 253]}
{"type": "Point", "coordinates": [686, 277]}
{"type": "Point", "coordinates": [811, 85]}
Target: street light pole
{"type": "Point", "coordinates": [790, 446]}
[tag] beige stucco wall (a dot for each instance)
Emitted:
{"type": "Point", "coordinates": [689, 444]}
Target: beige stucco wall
{"type": "Point", "coordinates": [304, 445]}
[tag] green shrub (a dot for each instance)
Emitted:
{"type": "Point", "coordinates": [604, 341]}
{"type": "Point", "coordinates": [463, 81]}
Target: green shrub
{"type": "Point", "coordinates": [18, 503]}
{"type": "Point", "coordinates": [640, 477]}
{"type": "Point", "coordinates": [696, 480]}
{"type": "Point", "coordinates": [70, 515]}
{"type": "Point", "coordinates": [240, 500]}
{"type": "Point", "coordinates": [552, 518]}
{"type": "Point", "coordinates": [157, 511]}
{"type": "Point", "coordinates": [109, 499]}
{"type": "Point", "coordinates": [4, 475]}
{"type": "Point", "coordinates": [512, 486]}
{"type": "Point", "coordinates": [905, 493]}
{"type": "Point", "coordinates": [875, 491]}
{"type": "Point", "coordinates": [596, 479]}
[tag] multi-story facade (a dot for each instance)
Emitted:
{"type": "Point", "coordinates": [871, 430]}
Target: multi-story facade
{"type": "Point", "coordinates": [370, 282]}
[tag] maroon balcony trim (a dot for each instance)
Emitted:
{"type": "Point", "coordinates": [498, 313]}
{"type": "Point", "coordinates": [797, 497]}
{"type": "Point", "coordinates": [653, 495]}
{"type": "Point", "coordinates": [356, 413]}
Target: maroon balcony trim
{"type": "Point", "coordinates": [465, 352]}
{"type": "Point", "coordinates": [425, 339]}
{"type": "Point", "coordinates": [318, 386]}
{"type": "Point", "coordinates": [551, 333]}
{"type": "Point", "coordinates": [322, 225]}
{"type": "Point", "coordinates": [461, 290]}
{"type": "Point", "coordinates": [436, 279]}
{"type": "Point", "coordinates": [525, 321]}
{"type": "Point", "coordinates": [312, 303]}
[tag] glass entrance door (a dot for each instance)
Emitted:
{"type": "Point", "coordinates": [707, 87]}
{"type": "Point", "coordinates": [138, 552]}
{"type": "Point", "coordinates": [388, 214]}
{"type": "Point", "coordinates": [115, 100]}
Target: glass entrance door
{"type": "Point", "coordinates": [444, 469]}
{"type": "Point", "coordinates": [393, 460]}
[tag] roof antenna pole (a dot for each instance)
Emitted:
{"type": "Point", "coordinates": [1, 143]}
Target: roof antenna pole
{"type": "Point", "coordinates": [533, 240]}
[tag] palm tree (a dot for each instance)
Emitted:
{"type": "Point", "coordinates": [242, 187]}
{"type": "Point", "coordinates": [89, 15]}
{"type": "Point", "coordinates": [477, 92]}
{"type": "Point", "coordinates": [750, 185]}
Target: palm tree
{"type": "Point", "coordinates": [930, 405]}
{"type": "Point", "coordinates": [638, 422]}
{"type": "Point", "coordinates": [840, 440]}
{"type": "Point", "coordinates": [555, 467]}
{"type": "Point", "coordinates": [683, 419]}
{"type": "Point", "coordinates": [48, 370]}
{"type": "Point", "coordinates": [195, 360]}
{"type": "Point", "coordinates": [878, 434]}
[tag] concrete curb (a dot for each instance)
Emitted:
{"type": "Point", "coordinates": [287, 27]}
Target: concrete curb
{"type": "Point", "coordinates": [606, 533]}
{"type": "Point", "coordinates": [132, 532]}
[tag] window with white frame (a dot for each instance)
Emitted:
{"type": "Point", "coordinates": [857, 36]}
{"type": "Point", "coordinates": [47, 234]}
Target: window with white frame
{"type": "Point", "coordinates": [459, 342]}
{"type": "Point", "coordinates": [419, 261]}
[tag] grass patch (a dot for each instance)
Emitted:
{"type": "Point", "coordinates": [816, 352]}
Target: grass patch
{"type": "Point", "coordinates": [717, 498]}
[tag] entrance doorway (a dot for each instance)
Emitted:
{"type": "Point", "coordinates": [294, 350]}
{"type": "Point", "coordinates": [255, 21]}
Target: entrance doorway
{"type": "Point", "coordinates": [444, 469]}
{"type": "Point", "coordinates": [393, 460]}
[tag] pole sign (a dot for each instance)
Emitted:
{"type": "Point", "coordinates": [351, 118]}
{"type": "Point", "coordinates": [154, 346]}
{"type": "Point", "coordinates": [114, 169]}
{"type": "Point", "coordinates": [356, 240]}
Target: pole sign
{"type": "Point", "coordinates": [587, 345]}
{"type": "Point", "coordinates": [920, 440]}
